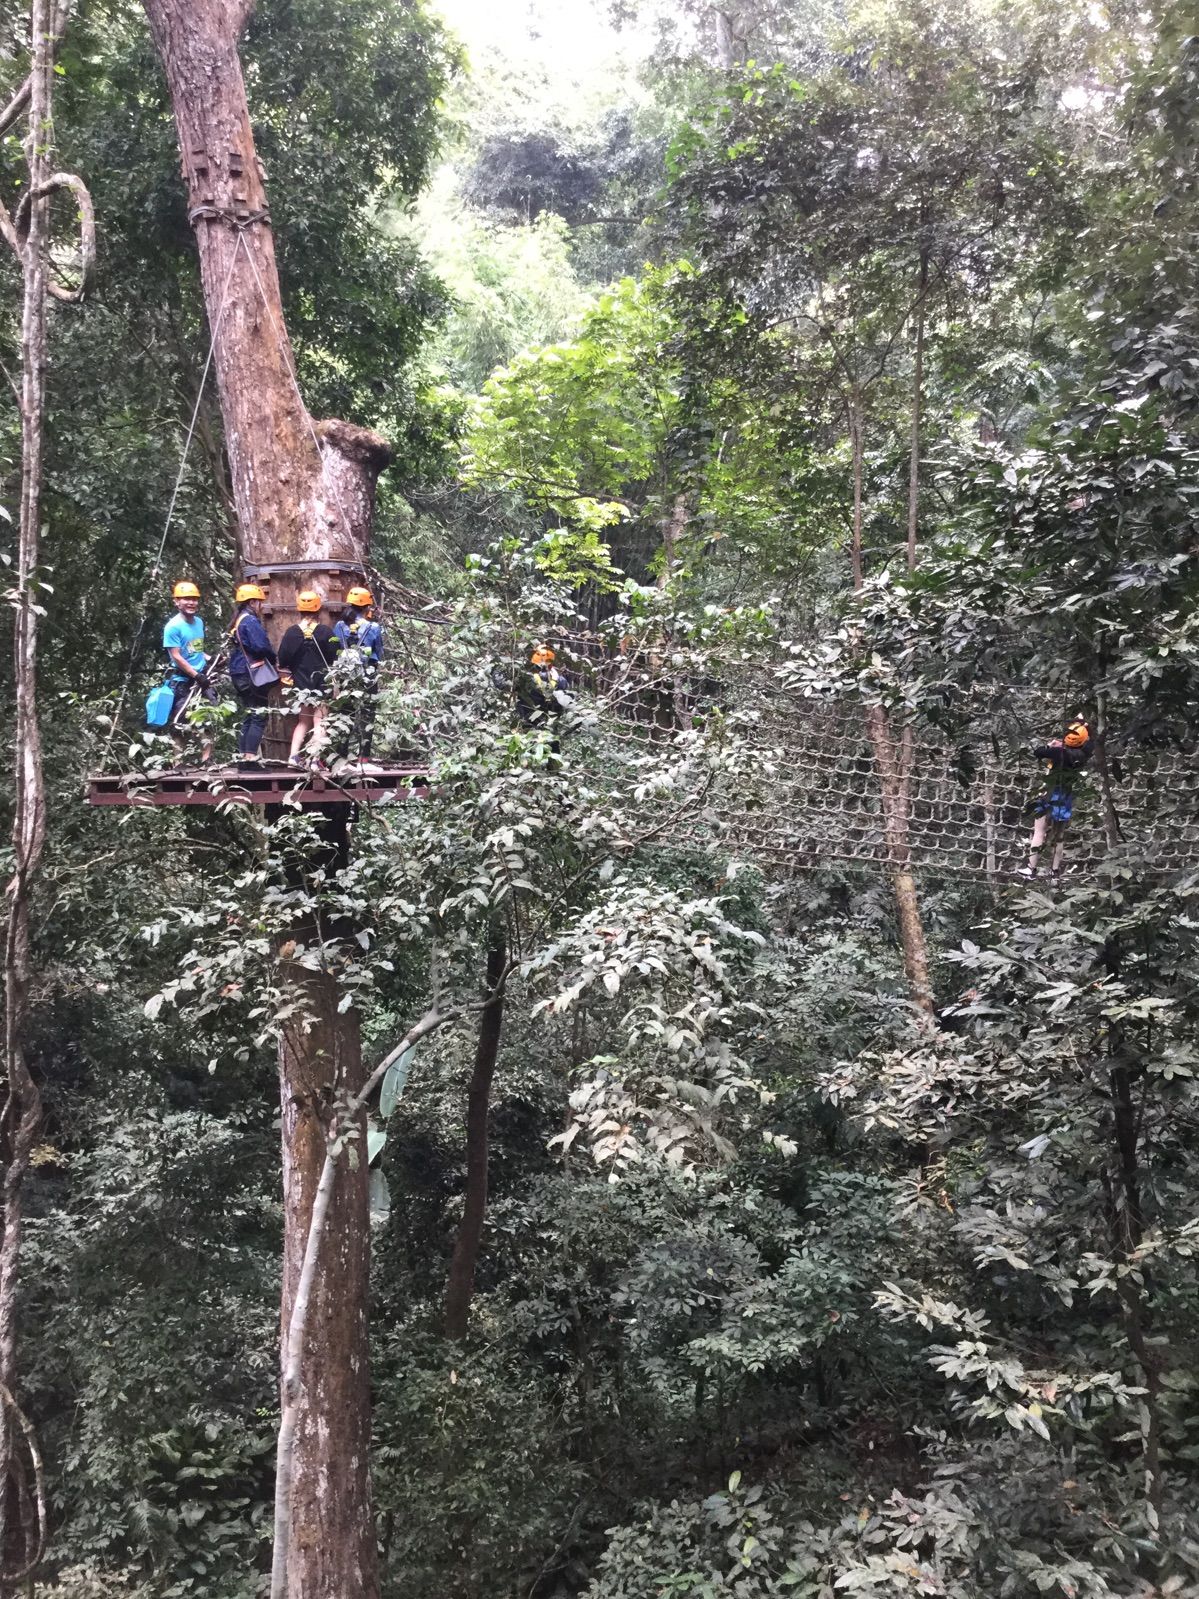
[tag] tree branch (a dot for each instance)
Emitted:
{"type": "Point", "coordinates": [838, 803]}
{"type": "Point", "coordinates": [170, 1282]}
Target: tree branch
{"type": "Point", "coordinates": [87, 236]}
{"type": "Point", "coordinates": [15, 106]}
{"type": "Point", "coordinates": [39, 1490]}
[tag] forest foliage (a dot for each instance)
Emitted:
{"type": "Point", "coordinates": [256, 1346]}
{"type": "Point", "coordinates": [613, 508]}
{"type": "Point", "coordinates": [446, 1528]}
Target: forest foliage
{"type": "Point", "coordinates": [839, 354]}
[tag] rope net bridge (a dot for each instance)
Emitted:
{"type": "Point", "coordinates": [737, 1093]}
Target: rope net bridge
{"type": "Point", "coordinates": [813, 791]}
{"type": "Point", "coordinates": [827, 802]}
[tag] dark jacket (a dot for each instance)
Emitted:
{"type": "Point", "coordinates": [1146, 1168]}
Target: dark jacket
{"type": "Point", "coordinates": [308, 655]}
{"type": "Point", "coordinates": [537, 691]}
{"type": "Point", "coordinates": [248, 643]}
{"type": "Point", "coordinates": [1063, 764]}
{"type": "Point", "coordinates": [1062, 758]}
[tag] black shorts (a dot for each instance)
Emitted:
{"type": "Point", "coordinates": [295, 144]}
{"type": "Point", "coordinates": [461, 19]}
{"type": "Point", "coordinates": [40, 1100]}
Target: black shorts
{"type": "Point", "coordinates": [183, 692]}
{"type": "Point", "coordinates": [252, 697]}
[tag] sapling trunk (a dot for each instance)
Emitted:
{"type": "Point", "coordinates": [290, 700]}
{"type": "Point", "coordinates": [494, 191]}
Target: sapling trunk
{"type": "Point", "coordinates": [460, 1285]}
{"type": "Point", "coordinates": [893, 764]}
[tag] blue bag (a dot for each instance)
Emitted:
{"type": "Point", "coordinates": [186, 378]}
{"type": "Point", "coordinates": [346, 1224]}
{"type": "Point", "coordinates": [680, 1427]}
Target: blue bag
{"type": "Point", "coordinates": [158, 705]}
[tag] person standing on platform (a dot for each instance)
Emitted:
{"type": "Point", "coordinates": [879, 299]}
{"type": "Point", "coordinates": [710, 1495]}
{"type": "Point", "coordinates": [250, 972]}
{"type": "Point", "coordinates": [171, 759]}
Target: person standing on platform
{"type": "Point", "coordinates": [183, 640]}
{"type": "Point", "coordinates": [306, 652]}
{"type": "Point", "coordinates": [358, 631]}
{"type": "Point", "coordinates": [253, 668]}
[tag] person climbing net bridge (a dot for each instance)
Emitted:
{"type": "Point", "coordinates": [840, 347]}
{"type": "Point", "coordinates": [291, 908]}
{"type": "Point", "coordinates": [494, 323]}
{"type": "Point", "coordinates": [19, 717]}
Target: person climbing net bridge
{"type": "Point", "coordinates": [1065, 759]}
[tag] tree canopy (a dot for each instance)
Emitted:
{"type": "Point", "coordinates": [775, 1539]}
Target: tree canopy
{"type": "Point", "coordinates": [755, 1215]}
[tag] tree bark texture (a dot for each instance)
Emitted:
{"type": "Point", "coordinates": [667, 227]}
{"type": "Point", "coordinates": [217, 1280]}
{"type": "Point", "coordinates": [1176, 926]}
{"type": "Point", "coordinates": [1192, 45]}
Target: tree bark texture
{"type": "Point", "coordinates": [917, 411]}
{"type": "Point", "coordinates": [293, 502]}
{"type": "Point", "coordinates": [907, 903]}
{"type": "Point", "coordinates": [674, 526]}
{"type": "Point", "coordinates": [21, 1115]}
{"type": "Point", "coordinates": [892, 762]}
{"type": "Point", "coordinates": [304, 493]}
{"type": "Point", "coordinates": [1129, 1230]}
{"type": "Point", "coordinates": [857, 452]}
{"type": "Point", "coordinates": [460, 1285]}
{"type": "Point", "coordinates": [331, 1538]}
{"type": "Point", "coordinates": [338, 1141]}
{"type": "Point", "coordinates": [895, 793]}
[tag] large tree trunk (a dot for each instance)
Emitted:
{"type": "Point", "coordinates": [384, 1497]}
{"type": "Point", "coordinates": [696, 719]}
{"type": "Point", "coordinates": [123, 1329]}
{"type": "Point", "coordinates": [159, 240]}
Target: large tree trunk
{"type": "Point", "coordinates": [857, 446]}
{"type": "Point", "coordinates": [21, 1115]}
{"type": "Point", "coordinates": [726, 46]}
{"type": "Point", "coordinates": [460, 1285]}
{"type": "Point", "coordinates": [304, 493]}
{"type": "Point", "coordinates": [893, 764]}
{"type": "Point", "coordinates": [907, 903]}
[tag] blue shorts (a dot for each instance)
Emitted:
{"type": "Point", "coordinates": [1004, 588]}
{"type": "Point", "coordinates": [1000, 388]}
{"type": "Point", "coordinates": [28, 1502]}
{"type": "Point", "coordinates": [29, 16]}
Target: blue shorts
{"type": "Point", "coordinates": [1058, 806]}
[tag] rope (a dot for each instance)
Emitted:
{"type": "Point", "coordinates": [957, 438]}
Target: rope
{"type": "Point", "coordinates": [162, 543]}
{"type": "Point", "coordinates": [241, 226]}
{"type": "Point", "coordinates": [820, 791]}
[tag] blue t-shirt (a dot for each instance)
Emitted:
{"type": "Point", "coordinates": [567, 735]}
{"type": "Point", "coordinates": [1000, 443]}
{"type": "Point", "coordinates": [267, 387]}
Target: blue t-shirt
{"type": "Point", "coordinates": [188, 638]}
{"type": "Point", "coordinates": [363, 635]}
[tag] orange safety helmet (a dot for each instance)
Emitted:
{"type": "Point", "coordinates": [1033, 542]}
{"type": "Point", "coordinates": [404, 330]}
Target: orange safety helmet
{"type": "Point", "coordinates": [248, 591]}
{"type": "Point", "coordinates": [185, 591]}
{"type": "Point", "coordinates": [542, 656]}
{"type": "Point", "coordinates": [360, 597]}
{"type": "Point", "coordinates": [308, 600]}
{"type": "Point", "coordinates": [1077, 735]}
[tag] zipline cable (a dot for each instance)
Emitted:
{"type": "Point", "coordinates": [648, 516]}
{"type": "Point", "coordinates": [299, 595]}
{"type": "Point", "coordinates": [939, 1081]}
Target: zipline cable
{"type": "Point", "coordinates": [162, 543]}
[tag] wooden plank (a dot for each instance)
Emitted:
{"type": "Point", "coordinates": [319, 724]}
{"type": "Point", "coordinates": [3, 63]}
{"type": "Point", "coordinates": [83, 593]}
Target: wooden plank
{"type": "Point", "coordinates": [231, 785]}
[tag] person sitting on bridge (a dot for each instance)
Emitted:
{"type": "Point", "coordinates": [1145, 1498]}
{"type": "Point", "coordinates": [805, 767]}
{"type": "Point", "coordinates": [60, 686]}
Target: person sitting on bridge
{"type": "Point", "coordinates": [1054, 806]}
{"type": "Point", "coordinates": [358, 631]}
{"type": "Point", "coordinates": [306, 652]}
{"type": "Point", "coordinates": [252, 664]}
{"type": "Point", "coordinates": [183, 640]}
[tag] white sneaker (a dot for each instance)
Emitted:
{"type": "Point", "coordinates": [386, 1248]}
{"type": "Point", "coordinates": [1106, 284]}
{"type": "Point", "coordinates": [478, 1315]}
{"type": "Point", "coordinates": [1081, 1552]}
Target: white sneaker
{"type": "Point", "coordinates": [1028, 872]}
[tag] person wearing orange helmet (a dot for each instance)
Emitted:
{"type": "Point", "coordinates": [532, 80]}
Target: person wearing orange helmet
{"type": "Point", "coordinates": [542, 692]}
{"type": "Point", "coordinates": [252, 668]}
{"type": "Point", "coordinates": [1052, 809]}
{"type": "Point", "coordinates": [183, 640]}
{"type": "Point", "coordinates": [358, 631]}
{"type": "Point", "coordinates": [306, 652]}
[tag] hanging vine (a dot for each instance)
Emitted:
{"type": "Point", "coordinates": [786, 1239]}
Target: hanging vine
{"type": "Point", "coordinates": [27, 231]}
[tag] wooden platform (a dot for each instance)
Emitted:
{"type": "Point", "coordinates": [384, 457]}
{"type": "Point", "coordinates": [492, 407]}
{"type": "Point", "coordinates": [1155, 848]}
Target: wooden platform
{"type": "Point", "coordinates": [271, 785]}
